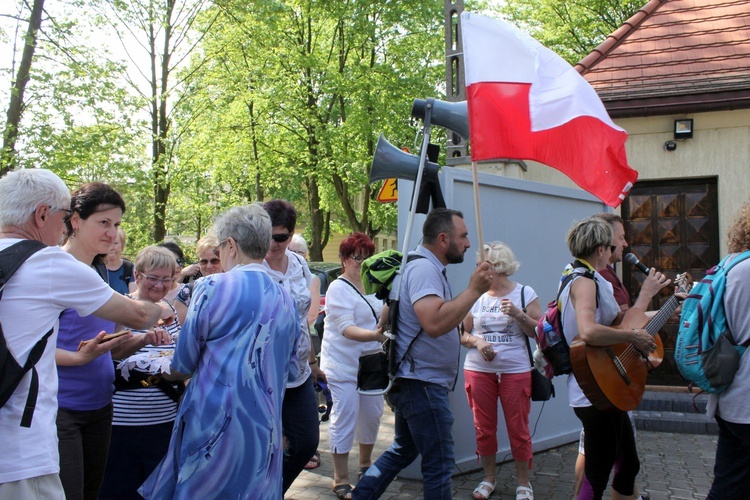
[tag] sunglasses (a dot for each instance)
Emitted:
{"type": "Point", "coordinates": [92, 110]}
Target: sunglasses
{"type": "Point", "coordinates": [180, 262]}
{"type": "Point", "coordinates": [281, 238]}
{"type": "Point", "coordinates": [613, 248]}
{"type": "Point", "coordinates": [213, 262]}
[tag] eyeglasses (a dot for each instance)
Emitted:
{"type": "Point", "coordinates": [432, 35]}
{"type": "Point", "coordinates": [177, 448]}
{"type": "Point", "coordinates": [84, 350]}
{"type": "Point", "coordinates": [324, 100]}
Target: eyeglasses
{"type": "Point", "coordinates": [357, 258]}
{"type": "Point", "coordinates": [213, 262]}
{"type": "Point", "coordinates": [216, 251]}
{"type": "Point", "coordinates": [155, 280]}
{"type": "Point", "coordinates": [66, 210]}
{"type": "Point", "coordinates": [180, 262]}
{"type": "Point", "coordinates": [280, 238]}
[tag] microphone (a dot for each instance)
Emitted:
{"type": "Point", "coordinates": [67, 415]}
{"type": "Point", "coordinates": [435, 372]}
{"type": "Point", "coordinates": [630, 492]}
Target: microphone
{"type": "Point", "coordinates": [631, 259]}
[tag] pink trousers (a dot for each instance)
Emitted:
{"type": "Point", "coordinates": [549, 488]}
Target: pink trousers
{"type": "Point", "coordinates": [514, 391]}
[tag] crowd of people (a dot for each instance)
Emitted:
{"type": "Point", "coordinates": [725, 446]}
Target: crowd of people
{"type": "Point", "coordinates": [207, 390]}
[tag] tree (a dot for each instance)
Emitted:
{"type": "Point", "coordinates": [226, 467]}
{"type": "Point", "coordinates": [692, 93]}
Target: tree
{"type": "Point", "coordinates": [18, 88]}
{"type": "Point", "coordinates": [572, 28]}
{"type": "Point", "coordinates": [164, 33]}
{"type": "Point", "coordinates": [304, 88]}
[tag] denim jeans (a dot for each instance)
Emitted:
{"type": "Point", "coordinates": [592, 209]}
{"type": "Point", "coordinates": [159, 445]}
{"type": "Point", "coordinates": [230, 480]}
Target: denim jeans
{"type": "Point", "coordinates": [732, 466]}
{"type": "Point", "coordinates": [423, 427]}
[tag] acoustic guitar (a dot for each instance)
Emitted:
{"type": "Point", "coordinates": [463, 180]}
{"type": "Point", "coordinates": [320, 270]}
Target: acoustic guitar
{"type": "Point", "coordinates": [614, 376]}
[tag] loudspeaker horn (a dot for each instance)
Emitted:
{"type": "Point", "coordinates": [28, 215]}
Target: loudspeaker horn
{"type": "Point", "coordinates": [451, 115]}
{"type": "Point", "coordinates": [390, 162]}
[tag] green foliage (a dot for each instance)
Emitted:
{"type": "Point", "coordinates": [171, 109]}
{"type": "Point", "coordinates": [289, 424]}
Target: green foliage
{"type": "Point", "coordinates": [572, 28]}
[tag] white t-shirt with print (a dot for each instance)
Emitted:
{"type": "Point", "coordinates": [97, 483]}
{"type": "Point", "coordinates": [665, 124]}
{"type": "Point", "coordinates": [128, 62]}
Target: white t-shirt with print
{"type": "Point", "coordinates": [502, 331]}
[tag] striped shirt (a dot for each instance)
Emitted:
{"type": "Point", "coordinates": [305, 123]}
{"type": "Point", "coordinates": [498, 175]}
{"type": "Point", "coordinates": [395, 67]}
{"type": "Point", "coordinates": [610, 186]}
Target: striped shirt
{"type": "Point", "coordinates": [147, 405]}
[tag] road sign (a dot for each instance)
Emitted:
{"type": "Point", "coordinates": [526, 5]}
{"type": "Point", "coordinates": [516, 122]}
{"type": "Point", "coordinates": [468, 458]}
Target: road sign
{"type": "Point", "coordinates": [389, 192]}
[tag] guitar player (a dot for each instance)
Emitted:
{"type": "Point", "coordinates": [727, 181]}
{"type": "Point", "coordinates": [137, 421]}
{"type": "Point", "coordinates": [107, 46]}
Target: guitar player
{"type": "Point", "coordinates": [622, 296]}
{"type": "Point", "coordinates": [588, 310]}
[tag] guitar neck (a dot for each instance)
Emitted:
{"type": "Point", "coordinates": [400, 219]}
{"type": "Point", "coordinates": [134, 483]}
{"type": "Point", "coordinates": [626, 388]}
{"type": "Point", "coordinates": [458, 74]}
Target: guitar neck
{"type": "Point", "coordinates": [661, 317]}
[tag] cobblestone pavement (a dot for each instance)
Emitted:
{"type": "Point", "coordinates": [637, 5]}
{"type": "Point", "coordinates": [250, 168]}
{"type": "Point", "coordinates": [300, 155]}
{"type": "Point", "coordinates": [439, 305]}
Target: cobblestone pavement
{"type": "Point", "coordinates": [673, 466]}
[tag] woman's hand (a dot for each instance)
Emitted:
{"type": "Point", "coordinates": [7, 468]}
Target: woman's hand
{"type": "Point", "coordinates": [90, 351]}
{"type": "Point", "coordinates": [378, 334]}
{"type": "Point", "coordinates": [509, 308]}
{"type": "Point", "coordinates": [189, 271]}
{"type": "Point", "coordinates": [643, 341]}
{"type": "Point", "coordinates": [156, 336]}
{"type": "Point", "coordinates": [485, 349]}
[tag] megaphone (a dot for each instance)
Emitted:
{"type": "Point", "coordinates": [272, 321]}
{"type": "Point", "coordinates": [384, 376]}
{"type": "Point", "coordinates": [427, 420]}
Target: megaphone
{"type": "Point", "coordinates": [451, 115]}
{"type": "Point", "coordinates": [390, 162]}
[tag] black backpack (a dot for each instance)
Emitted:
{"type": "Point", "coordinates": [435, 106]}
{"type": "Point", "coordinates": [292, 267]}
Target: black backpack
{"type": "Point", "coordinates": [11, 373]}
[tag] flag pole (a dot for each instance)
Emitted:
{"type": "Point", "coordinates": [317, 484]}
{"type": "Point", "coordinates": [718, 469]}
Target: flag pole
{"type": "Point", "coordinates": [475, 182]}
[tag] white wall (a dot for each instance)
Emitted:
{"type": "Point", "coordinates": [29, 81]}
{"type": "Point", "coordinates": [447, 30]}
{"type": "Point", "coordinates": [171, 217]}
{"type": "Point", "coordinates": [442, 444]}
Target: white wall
{"type": "Point", "coordinates": [533, 219]}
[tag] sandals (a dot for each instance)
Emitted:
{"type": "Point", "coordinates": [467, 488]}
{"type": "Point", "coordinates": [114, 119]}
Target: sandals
{"type": "Point", "coordinates": [314, 462]}
{"type": "Point", "coordinates": [362, 472]}
{"type": "Point", "coordinates": [484, 490]}
{"type": "Point", "coordinates": [524, 493]}
{"type": "Point", "coordinates": [342, 491]}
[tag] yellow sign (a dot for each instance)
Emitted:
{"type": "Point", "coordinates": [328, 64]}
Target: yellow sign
{"type": "Point", "coordinates": [389, 192]}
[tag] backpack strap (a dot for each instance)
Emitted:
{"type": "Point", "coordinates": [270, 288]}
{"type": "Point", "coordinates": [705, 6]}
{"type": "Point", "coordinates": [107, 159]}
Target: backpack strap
{"type": "Point", "coordinates": [12, 257]}
{"type": "Point", "coordinates": [392, 345]}
{"type": "Point", "coordinates": [10, 260]}
{"type": "Point", "coordinates": [127, 271]}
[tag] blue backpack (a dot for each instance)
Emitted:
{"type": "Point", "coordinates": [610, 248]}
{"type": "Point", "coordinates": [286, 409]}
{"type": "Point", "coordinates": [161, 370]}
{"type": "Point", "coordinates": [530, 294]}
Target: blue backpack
{"type": "Point", "coordinates": [706, 352]}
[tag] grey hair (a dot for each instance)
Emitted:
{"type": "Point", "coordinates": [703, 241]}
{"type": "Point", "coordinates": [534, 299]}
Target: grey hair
{"type": "Point", "coordinates": [249, 225]}
{"type": "Point", "coordinates": [298, 241]}
{"type": "Point", "coordinates": [155, 257]}
{"type": "Point", "coordinates": [587, 235]}
{"type": "Point", "coordinates": [501, 257]}
{"type": "Point", "coordinates": [23, 190]}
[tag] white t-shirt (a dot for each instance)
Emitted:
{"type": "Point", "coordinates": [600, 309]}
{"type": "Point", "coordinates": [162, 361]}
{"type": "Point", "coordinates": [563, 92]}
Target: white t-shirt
{"type": "Point", "coordinates": [503, 332]}
{"type": "Point", "coordinates": [49, 282]}
{"type": "Point", "coordinates": [339, 357]}
{"type": "Point", "coordinates": [296, 281]}
{"type": "Point", "coordinates": [606, 313]}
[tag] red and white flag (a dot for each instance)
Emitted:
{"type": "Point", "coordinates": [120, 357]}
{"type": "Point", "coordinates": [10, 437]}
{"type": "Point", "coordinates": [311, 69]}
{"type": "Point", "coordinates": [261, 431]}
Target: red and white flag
{"type": "Point", "coordinates": [527, 103]}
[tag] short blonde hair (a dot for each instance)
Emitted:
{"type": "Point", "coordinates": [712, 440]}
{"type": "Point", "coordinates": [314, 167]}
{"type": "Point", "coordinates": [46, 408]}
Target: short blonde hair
{"type": "Point", "coordinates": [587, 235]}
{"type": "Point", "coordinates": [501, 257]}
{"type": "Point", "coordinates": [208, 242]}
{"type": "Point", "coordinates": [155, 257]}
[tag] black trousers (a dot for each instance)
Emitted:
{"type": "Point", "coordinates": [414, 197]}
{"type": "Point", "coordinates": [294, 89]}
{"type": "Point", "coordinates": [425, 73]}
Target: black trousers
{"type": "Point", "coordinates": [83, 443]}
{"type": "Point", "coordinates": [607, 435]}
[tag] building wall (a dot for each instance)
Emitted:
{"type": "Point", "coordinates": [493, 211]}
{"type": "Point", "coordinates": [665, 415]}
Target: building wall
{"type": "Point", "coordinates": [720, 147]}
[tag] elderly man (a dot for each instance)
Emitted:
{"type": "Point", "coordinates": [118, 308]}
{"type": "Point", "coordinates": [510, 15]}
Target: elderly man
{"type": "Point", "coordinates": [33, 206]}
{"type": "Point", "coordinates": [428, 349]}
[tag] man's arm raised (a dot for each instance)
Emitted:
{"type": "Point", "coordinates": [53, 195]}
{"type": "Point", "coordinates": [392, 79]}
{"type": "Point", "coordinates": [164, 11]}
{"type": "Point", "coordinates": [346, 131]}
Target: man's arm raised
{"type": "Point", "coordinates": [138, 314]}
{"type": "Point", "coordinates": [438, 316]}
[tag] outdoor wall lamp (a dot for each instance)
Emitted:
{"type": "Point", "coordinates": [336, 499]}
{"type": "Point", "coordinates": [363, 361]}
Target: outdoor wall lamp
{"type": "Point", "coordinates": [683, 128]}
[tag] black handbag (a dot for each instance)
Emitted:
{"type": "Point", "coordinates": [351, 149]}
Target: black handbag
{"type": "Point", "coordinates": [542, 388]}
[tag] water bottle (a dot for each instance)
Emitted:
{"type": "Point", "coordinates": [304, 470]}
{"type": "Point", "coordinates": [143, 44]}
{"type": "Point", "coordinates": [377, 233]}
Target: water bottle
{"type": "Point", "coordinates": [550, 334]}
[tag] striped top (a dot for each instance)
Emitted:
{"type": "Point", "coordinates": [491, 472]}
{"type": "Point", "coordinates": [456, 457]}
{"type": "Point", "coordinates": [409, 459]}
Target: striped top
{"type": "Point", "coordinates": [147, 405]}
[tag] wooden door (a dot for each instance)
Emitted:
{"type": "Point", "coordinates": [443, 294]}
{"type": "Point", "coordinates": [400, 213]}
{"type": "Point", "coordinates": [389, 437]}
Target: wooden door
{"type": "Point", "coordinates": [672, 226]}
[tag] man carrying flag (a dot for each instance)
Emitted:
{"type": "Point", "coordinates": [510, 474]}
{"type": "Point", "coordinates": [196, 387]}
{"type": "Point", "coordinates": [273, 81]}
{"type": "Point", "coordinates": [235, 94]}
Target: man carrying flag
{"type": "Point", "coordinates": [526, 102]}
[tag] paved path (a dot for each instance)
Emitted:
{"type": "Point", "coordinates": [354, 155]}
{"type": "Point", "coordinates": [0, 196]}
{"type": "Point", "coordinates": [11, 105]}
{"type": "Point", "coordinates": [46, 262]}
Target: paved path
{"type": "Point", "coordinates": [673, 466]}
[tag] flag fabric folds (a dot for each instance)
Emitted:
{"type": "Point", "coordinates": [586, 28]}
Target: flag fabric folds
{"type": "Point", "coordinates": [527, 103]}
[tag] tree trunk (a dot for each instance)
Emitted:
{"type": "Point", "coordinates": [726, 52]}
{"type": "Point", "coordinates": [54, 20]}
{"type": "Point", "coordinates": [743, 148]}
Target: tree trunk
{"type": "Point", "coordinates": [15, 107]}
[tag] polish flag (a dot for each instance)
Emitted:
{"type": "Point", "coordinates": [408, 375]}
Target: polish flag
{"type": "Point", "coordinates": [525, 102]}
